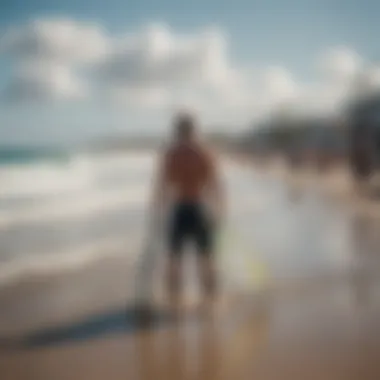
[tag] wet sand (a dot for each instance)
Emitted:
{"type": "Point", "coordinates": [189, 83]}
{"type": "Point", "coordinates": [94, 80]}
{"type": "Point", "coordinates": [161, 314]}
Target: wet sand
{"type": "Point", "coordinates": [328, 334]}
{"type": "Point", "coordinates": [78, 325]}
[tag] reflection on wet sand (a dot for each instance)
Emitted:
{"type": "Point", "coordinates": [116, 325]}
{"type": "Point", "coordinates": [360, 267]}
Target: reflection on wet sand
{"type": "Point", "coordinates": [320, 334]}
{"type": "Point", "coordinates": [209, 355]}
{"type": "Point", "coordinates": [209, 348]}
{"type": "Point", "coordinates": [163, 355]}
{"type": "Point", "coordinates": [365, 269]}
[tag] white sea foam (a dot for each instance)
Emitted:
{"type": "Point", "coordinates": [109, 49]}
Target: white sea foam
{"type": "Point", "coordinates": [73, 190]}
{"type": "Point", "coordinates": [81, 172]}
{"type": "Point", "coordinates": [75, 207]}
{"type": "Point", "coordinates": [29, 268]}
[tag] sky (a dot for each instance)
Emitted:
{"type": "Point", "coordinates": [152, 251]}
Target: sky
{"type": "Point", "coordinates": [72, 70]}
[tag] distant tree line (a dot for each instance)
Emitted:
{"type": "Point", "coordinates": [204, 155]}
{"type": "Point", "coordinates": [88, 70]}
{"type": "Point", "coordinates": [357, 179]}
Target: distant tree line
{"type": "Point", "coordinates": [296, 136]}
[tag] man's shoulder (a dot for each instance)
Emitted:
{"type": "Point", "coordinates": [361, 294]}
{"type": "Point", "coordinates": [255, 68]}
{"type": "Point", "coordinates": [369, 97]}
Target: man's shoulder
{"type": "Point", "coordinates": [171, 150]}
{"type": "Point", "coordinates": [201, 149]}
{"type": "Point", "coordinates": [208, 152]}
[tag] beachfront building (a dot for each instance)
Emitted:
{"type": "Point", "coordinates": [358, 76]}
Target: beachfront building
{"type": "Point", "coordinates": [363, 116]}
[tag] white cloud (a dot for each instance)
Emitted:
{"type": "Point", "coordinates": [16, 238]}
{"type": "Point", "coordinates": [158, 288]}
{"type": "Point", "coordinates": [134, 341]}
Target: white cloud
{"type": "Point", "coordinates": [46, 56]}
{"type": "Point", "coordinates": [157, 68]}
{"type": "Point", "coordinates": [278, 87]}
{"type": "Point", "coordinates": [140, 97]}
{"type": "Point", "coordinates": [340, 64]}
{"type": "Point", "coordinates": [62, 40]}
{"type": "Point", "coordinates": [374, 76]}
{"type": "Point", "coordinates": [43, 80]}
{"type": "Point", "coordinates": [155, 56]}
{"type": "Point", "coordinates": [279, 82]}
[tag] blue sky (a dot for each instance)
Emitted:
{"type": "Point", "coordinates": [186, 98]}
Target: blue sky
{"type": "Point", "coordinates": [289, 34]}
{"type": "Point", "coordinates": [289, 31]}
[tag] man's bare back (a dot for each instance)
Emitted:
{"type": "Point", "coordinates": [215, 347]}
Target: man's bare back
{"type": "Point", "coordinates": [187, 176]}
{"type": "Point", "coordinates": [189, 169]}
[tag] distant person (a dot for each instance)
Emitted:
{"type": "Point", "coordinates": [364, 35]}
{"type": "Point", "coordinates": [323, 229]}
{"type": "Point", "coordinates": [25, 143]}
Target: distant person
{"type": "Point", "coordinates": [189, 187]}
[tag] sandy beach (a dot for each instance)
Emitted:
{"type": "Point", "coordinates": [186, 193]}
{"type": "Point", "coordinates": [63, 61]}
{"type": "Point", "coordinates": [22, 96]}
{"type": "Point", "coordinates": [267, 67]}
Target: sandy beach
{"type": "Point", "coordinates": [78, 323]}
{"type": "Point", "coordinates": [329, 334]}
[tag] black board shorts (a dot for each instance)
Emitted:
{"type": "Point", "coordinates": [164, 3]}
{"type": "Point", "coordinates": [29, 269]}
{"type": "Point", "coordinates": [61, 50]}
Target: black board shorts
{"type": "Point", "coordinates": [190, 222]}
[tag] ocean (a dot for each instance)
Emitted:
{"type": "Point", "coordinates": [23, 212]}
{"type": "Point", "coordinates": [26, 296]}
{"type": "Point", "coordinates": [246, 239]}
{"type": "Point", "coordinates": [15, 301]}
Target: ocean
{"type": "Point", "coordinates": [57, 205]}
{"type": "Point", "coordinates": [59, 210]}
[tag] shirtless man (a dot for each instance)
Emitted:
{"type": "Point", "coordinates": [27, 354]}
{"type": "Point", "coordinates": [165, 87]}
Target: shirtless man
{"type": "Point", "coordinates": [187, 181]}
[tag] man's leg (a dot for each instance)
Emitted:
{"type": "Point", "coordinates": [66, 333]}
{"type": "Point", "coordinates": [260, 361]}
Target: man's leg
{"type": "Point", "coordinates": [207, 271]}
{"type": "Point", "coordinates": [174, 266]}
{"type": "Point", "coordinates": [174, 277]}
{"type": "Point", "coordinates": [206, 258]}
